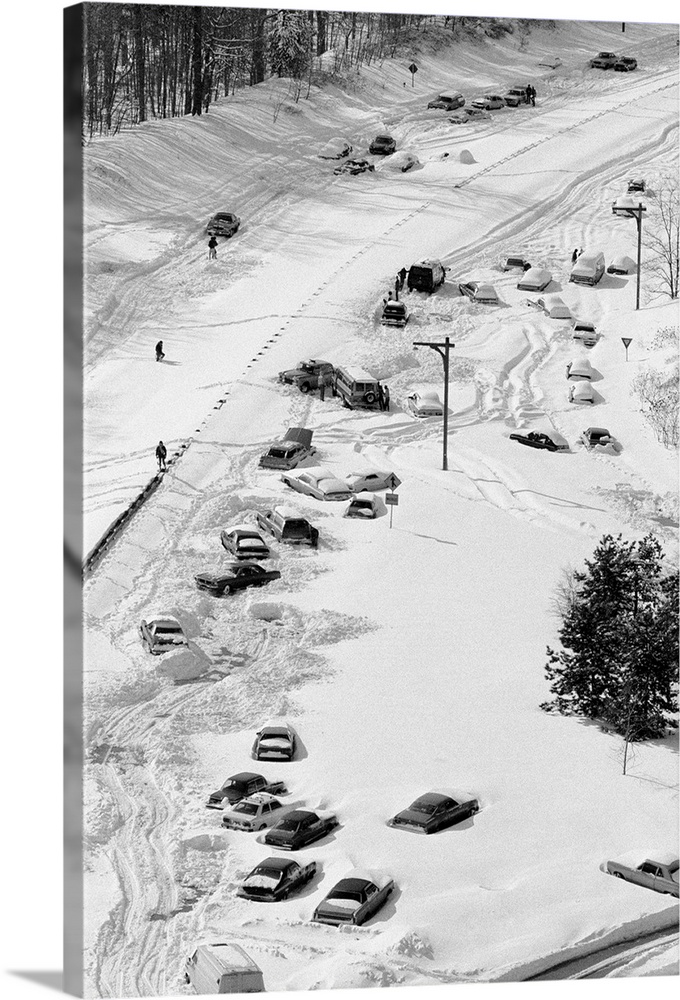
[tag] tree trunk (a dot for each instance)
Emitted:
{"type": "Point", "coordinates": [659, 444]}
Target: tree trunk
{"type": "Point", "coordinates": [197, 62]}
{"type": "Point", "coordinates": [138, 28]}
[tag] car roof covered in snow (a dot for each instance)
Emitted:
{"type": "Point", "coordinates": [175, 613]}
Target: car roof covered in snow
{"type": "Point", "coordinates": [242, 527]}
{"type": "Point", "coordinates": [637, 857]}
{"type": "Point", "coordinates": [284, 511]}
{"type": "Point", "coordinates": [368, 875]}
{"type": "Point", "coordinates": [152, 618]}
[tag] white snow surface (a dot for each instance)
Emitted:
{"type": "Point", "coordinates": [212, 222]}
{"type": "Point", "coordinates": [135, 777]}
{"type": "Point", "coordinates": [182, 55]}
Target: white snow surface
{"type": "Point", "coordinates": [407, 651]}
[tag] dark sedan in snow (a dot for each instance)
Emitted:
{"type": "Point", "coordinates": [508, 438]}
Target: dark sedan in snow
{"type": "Point", "coordinates": [275, 878]}
{"type": "Point", "coordinates": [306, 374]}
{"type": "Point", "coordinates": [383, 145]}
{"type": "Point", "coordinates": [241, 786]}
{"type": "Point", "coordinates": [274, 741]}
{"type": "Point", "coordinates": [286, 525]}
{"type": "Point", "coordinates": [235, 576]}
{"type": "Point", "coordinates": [244, 542]}
{"type": "Point", "coordinates": [435, 811]}
{"type": "Point", "coordinates": [300, 827]}
{"type": "Point", "coordinates": [534, 439]}
{"type": "Point", "coordinates": [223, 224]}
{"type": "Point", "coordinates": [656, 870]}
{"type": "Point", "coordinates": [626, 64]}
{"type": "Point", "coordinates": [355, 898]}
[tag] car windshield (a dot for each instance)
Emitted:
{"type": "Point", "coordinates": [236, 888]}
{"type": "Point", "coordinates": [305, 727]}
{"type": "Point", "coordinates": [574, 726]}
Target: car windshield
{"type": "Point", "coordinates": [275, 734]}
{"type": "Point", "coordinates": [167, 629]}
{"type": "Point", "coordinates": [272, 873]}
{"type": "Point", "coordinates": [279, 452]}
{"type": "Point", "coordinates": [295, 526]}
{"type": "Point", "coordinates": [249, 808]}
{"type": "Point", "coordinates": [425, 806]}
{"type": "Point", "coordinates": [357, 896]}
{"type": "Point", "coordinates": [290, 823]}
{"type": "Point", "coordinates": [238, 785]}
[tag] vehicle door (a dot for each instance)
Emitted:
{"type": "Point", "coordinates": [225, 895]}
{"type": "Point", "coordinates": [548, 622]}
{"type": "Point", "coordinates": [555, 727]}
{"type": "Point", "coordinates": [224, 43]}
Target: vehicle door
{"type": "Point", "coordinates": [308, 828]}
{"type": "Point", "coordinates": [647, 874]}
{"type": "Point", "coordinates": [372, 897]}
{"type": "Point", "coordinates": [243, 575]}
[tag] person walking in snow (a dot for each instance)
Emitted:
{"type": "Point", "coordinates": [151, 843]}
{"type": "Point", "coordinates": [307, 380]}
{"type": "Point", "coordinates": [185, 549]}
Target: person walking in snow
{"type": "Point", "coordinates": [402, 278]}
{"type": "Point", "coordinates": [574, 255]}
{"type": "Point", "coordinates": [160, 354]}
{"type": "Point", "coordinates": [533, 96]}
{"type": "Point", "coordinates": [161, 455]}
{"type": "Point", "coordinates": [527, 91]}
{"type": "Point", "coordinates": [321, 382]}
{"type": "Point", "coordinates": [381, 397]}
{"type": "Point", "coordinates": [212, 248]}
{"type": "Point", "coordinates": [386, 397]}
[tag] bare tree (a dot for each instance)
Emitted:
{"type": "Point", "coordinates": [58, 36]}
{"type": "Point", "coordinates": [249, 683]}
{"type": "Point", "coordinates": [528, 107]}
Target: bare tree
{"type": "Point", "coordinates": [662, 237]}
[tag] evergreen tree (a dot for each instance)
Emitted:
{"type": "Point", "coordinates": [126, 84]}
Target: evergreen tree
{"type": "Point", "coordinates": [619, 636]}
{"type": "Point", "coordinates": [289, 37]}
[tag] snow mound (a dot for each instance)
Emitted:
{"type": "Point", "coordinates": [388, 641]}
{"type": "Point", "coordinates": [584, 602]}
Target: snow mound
{"type": "Point", "coordinates": [185, 664]}
{"type": "Point", "coordinates": [207, 842]}
{"type": "Point", "coordinates": [466, 156]}
{"type": "Point", "coordinates": [266, 611]}
{"type": "Point", "coordinates": [400, 161]}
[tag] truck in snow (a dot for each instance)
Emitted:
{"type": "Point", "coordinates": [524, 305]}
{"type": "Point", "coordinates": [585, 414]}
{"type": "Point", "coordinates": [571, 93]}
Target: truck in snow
{"type": "Point", "coordinates": [223, 968]}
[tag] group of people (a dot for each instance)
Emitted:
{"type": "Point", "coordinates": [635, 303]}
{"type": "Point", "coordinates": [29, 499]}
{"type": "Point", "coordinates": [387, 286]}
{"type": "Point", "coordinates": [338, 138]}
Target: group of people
{"type": "Point", "coordinates": [531, 95]}
{"type": "Point", "coordinates": [576, 254]}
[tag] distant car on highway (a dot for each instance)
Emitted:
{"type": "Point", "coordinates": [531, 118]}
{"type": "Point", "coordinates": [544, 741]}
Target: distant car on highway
{"type": "Point", "coordinates": [257, 812]}
{"type": "Point", "coordinates": [372, 480]}
{"type": "Point", "coordinates": [295, 447]}
{"type": "Point", "coordinates": [244, 542]}
{"type": "Point", "coordinates": [223, 224]}
{"type": "Point", "coordinates": [435, 811]}
{"type": "Point", "coordinates": [276, 878]}
{"type": "Point", "coordinates": [383, 145]}
{"type": "Point", "coordinates": [275, 741]}
{"type": "Point", "coordinates": [625, 64]}
{"type": "Point", "coordinates": [318, 483]}
{"type": "Point", "coordinates": [235, 576]}
{"type": "Point", "coordinates": [286, 525]}
{"type": "Point", "coordinates": [354, 167]}
{"type": "Point", "coordinates": [299, 828]}
{"type": "Point", "coordinates": [425, 404]}
{"type": "Point", "coordinates": [355, 898]}
{"type": "Point", "coordinates": [466, 115]}
{"type": "Point", "coordinates": [489, 102]}
{"type": "Point", "coordinates": [161, 633]}
{"type": "Point", "coordinates": [516, 96]}
{"type": "Point", "coordinates": [604, 60]}
{"type": "Point", "coordinates": [241, 786]}
{"type": "Point", "coordinates": [448, 102]}
{"type": "Point", "coordinates": [657, 870]}
{"type": "Point", "coordinates": [478, 291]}
{"type": "Point", "coordinates": [305, 376]}
{"type": "Point", "coordinates": [535, 279]}
{"type": "Point", "coordinates": [364, 506]}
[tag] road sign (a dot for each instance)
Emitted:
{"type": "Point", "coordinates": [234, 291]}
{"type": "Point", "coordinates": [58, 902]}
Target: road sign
{"type": "Point", "coordinates": [413, 68]}
{"type": "Point", "coordinates": [627, 341]}
{"type": "Point", "coordinates": [392, 499]}
{"type": "Point", "coordinates": [393, 481]}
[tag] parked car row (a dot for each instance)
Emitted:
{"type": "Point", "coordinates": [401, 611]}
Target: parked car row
{"type": "Point", "coordinates": [609, 60]}
{"type": "Point", "coordinates": [454, 100]}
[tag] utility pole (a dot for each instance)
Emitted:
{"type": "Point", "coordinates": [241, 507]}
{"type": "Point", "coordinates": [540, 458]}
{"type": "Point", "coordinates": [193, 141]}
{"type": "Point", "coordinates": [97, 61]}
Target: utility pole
{"type": "Point", "coordinates": [620, 207]}
{"type": "Point", "coordinates": [443, 352]}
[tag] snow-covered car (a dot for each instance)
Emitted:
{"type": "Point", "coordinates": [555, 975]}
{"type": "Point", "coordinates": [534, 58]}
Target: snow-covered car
{"type": "Point", "coordinates": [604, 60]}
{"type": "Point", "coordinates": [621, 264]}
{"type": "Point", "coordinates": [355, 898]}
{"type": "Point", "coordinates": [161, 633]}
{"type": "Point", "coordinates": [425, 404]}
{"type": "Point", "coordinates": [516, 96]}
{"type": "Point", "coordinates": [394, 313]}
{"type": "Point", "coordinates": [552, 305]}
{"type": "Point", "coordinates": [489, 102]}
{"type": "Point", "coordinates": [383, 145]}
{"type": "Point", "coordinates": [235, 576]}
{"type": "Point", "coordinates": [447, 102]}
{"type": "Point", "coordinates": [275, 741]}
{"type": "Point", "coordinates": [242, 786]}
{"type": "Point", "coordinates": [581, 392]}
{"type": "Point", "coordinates": [478, 291]}
{"type": "Point", "coordinates": [551, 62]}
{"type": "Point", "coordinates": [599, 437]}
{"type": "Point", "coordinates": [223, 224]}
{"type": "Point", "coordinates": [636, 185]}
{"type": "Point", "coordinates": [299, 828]}
{"type": "Point", "coordinates": [286, 525]}
{"type": "Point", "coordinates": [257, 812]}
{"type": "Point", "coordinates": [275, 878]}
{"type": "Point", "coordinates": [585, 332]}
{"type": "Point", "coordinates": [656, 870]}
{"type": "Point", "coordinates": [364, 506]}
{"type": "Point", "coordinates": [400, 162]}
{"type": "Point", "coordinates": [244, 542]}
{"type": "Point", "coordinates": [435, 811]}
{"type": "Point", "coordinates": [466, 115]}
{"type": "Point", "coordinates": [589, 267]}
{"type": "Point", "coordinates": [535, 279]}
{"type": "Point", "coordinates": [370, 479]}
{"type": "Point", "coordinates": [580, 368]}
{"type": "Point", "coordinates": [295, 448]}
{"type": "Point", "coordinates": [536, 439]}
{"type": "Point", "coordinates": [625, 64]}
{"type": "Point", "coordinates": [335, 149]}
{"type": "Point", "coordinates": [515, 262]}
{"type": "Point", "coordinates": [305, 375]}
{"type": "Point", "coordinates": [318, 483]}
{"type": "Point", "coordinates": [354, 167]}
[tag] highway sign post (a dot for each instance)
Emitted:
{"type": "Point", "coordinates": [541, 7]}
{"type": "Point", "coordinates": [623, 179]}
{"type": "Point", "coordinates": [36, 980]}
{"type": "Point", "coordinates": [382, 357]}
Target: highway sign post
{"type": "Point", "coordinates": [413, 69]}
{"type": "Point", "coordinates": [391, 501]}
{"type": "Point", "coordinates": [627, 341]}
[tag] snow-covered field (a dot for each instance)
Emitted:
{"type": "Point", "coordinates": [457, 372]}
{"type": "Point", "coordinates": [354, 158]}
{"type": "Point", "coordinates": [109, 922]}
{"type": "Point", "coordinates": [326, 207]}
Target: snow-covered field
{"type": "Point", "coordinates": [408, 656]}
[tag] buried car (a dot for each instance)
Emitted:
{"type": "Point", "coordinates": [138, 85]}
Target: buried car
{"type": "Point", "coordinates": [394, 313]}
{"type": "Point", "coordinates": [581, 368]}
{"type": "Point", "coordinates": [599, 437]}
{"type": "Point", "coordinates": [425, 404]}
{"type": "Point", "coordinates": [295, 448]}
{"type": "Point", "coordinates": [448, 102]}
{"type": "Point", "coordinates": [235, 576]}
{"type": "Point", "coordinates": [300, 827]}
{"type": "Point", "coordinates": [335, 149]}
{"type": "Point", "coordinates": [536, 439]}
{"type": "Point", "coordinates": [489, 102]}
{"type": "Point", "coordinates": [621, 264]}
{"type": "Point", "coordinates": [465, 115]}
{"type": "Point", "coordinates": [585, 332]}
{"type": "Point", "coordinates": [223, 224]}
{"type": "Point", "coordinates": [306, 374]}
{"type": "Point", "coordinates": [354, 167]}
{"type": "Point", "coordinates": [551, 62]}
{"type": "Point", "coordinates": [625, 64]}
{"type": "Point", "coordinates": [274, 741]}
{"type": "Point", "coordinates": [435, 811]}
{"type": "Point", "coordinates": [275, 878]}
{"type": "Point", "coordinates": [383, 145]}
{"type": "Point", "coordinates": [363, 505]}
{"type": "Point", "coordinates": [535, 279]}
{"type": "Point", "coordinates": [162, 632]}
{"type": "Point", "coordinates": [286, 525]}
{"type": "Point", "coordinates": [581, 392]}
{"type": "Point", "coordinates": [636, 185]}
{"type": "Point", "coordinates": [257, 812]}
{"type": "Point", "coordinates": [369, 479]}
{"type": "Point", "coordinates": [242, 786]}
{"type": "Point", "coordinates": [656, 870]}
{"type": "Point", "coordinates": [515, 261]}
{"type": "Point", "coordinates": [244, 542]}
{"type": "Point", "coordinates": [318, 483]}
{"type": "Point", "coordinates": [552, 305]}
{"type": "Point", "coordinates": [355, 898]}
{"type": "Point", "coordinates": [479, 292]}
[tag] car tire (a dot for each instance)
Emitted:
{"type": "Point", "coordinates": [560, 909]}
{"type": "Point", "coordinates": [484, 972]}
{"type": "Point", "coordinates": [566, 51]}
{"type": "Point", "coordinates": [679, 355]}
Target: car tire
{"type": "Point", "coordinates": [304, 387]}
{"type": "Point", "coordinates": [262, 827]}
{"type": "Point", "coordinates": [369, 397]}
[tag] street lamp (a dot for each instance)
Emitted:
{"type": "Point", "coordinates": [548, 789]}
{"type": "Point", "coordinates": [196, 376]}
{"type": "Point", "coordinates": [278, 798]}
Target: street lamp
{"type": "Point", "coordinates": [443, 352]}
{"type": "Point", "coordinates": [626, 206]}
